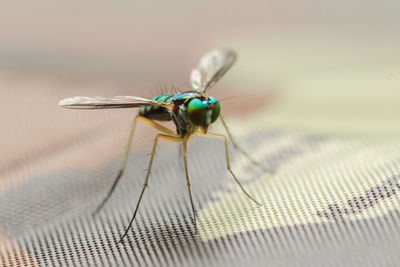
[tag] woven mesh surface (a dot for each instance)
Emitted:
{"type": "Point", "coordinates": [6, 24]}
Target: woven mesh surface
{"type": "Point", "coordinates": [331, 201]}
{"type": "Point", "coordinates": [312, 97]}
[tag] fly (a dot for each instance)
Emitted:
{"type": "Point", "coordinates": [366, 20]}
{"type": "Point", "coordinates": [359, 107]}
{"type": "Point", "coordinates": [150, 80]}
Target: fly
{"type": "Point", "coordinates": [191, 111]}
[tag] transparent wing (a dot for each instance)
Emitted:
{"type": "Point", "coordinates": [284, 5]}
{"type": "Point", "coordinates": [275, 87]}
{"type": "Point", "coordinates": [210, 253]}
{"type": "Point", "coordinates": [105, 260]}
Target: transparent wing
{"type": "Point", "coordinates": [211, 68]}
{"type": "Point", "coordinates": [97, 102]}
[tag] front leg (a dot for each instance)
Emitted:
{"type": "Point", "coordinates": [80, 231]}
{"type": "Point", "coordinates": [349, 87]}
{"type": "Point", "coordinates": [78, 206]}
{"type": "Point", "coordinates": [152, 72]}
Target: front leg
{"type": "Point", "coordinates": [241, 150]}
{"type": "Point", "coordinates": [228, 164]}
{"type": "Point", "coordinates": [184, 143]}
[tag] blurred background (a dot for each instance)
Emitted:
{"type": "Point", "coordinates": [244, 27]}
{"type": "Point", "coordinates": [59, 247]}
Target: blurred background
{"type": "Point", "coordinates": [330, 65]}
{"type": "Point", "coordinates": [321, 66]}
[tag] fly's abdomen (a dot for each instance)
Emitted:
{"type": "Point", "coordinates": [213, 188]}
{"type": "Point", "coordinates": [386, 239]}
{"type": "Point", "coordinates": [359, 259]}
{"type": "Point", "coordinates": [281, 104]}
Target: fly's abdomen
{"type": "Point", "coordinates": [155, 112]}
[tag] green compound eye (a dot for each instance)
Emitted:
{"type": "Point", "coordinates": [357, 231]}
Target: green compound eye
{"type": "Point", "coordinates": [215, 110]}
{"type": "Point", "coordinates": [196, 111]}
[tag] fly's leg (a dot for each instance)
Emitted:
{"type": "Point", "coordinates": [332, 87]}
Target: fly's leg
{"type": "Point", "coordinates": [184, 142]}
{"type": "Point", "coordinates": [228, 164]}
{"type": "Point", "coordinates": [128, 146]}
{"type": "Point", "coordinates": [241, 150]}
{"type": "Point", "coordinates": [122, 168]}
{"type": "Point", "coordinates": [168, 138]}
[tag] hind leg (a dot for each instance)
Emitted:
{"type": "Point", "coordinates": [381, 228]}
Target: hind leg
{"type": "Point", "coordinates": [128, 146]}
{"type": "Point", "coordinates": [168, 138]}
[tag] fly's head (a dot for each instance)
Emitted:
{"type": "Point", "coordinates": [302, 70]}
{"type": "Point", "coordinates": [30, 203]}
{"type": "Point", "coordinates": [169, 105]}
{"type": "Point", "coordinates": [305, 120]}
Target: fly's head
{"type": "Point", "coordinates": [202, 111]}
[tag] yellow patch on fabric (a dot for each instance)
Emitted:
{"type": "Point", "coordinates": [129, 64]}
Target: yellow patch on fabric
{"type": "Point", "coordinates": [342, 179]}
{"type": "Point", "coordinates": [346, 96]}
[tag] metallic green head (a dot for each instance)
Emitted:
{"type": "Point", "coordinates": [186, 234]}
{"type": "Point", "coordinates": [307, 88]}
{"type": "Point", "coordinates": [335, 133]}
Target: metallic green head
{"type": "Point", "coordinates": [203, 112]}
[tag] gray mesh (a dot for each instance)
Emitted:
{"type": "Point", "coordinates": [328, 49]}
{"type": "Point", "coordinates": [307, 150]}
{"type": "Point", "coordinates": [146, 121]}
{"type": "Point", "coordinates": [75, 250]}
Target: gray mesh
{"type": "Point", "coordinates": [48, 220]}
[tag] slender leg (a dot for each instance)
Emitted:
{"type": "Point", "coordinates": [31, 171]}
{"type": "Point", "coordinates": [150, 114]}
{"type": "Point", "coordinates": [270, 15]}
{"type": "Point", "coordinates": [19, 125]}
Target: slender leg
{"type": "Point", "coordinates": [157, 126]}
{"type": "Point", "coordinates": [121, 169]}
{"type": "Point", "coordinates": [128, 146]}
{"type": "Point", "coordinates": [166, 137]}
{"type": "Point", "coordinates": [184, 142]}
{"type": "Point", "coordinates": [241, 150]}
{"type": "Point", "coordinates": [227, 163]}
{"type": "Point", "coordinates": [180, 155]}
